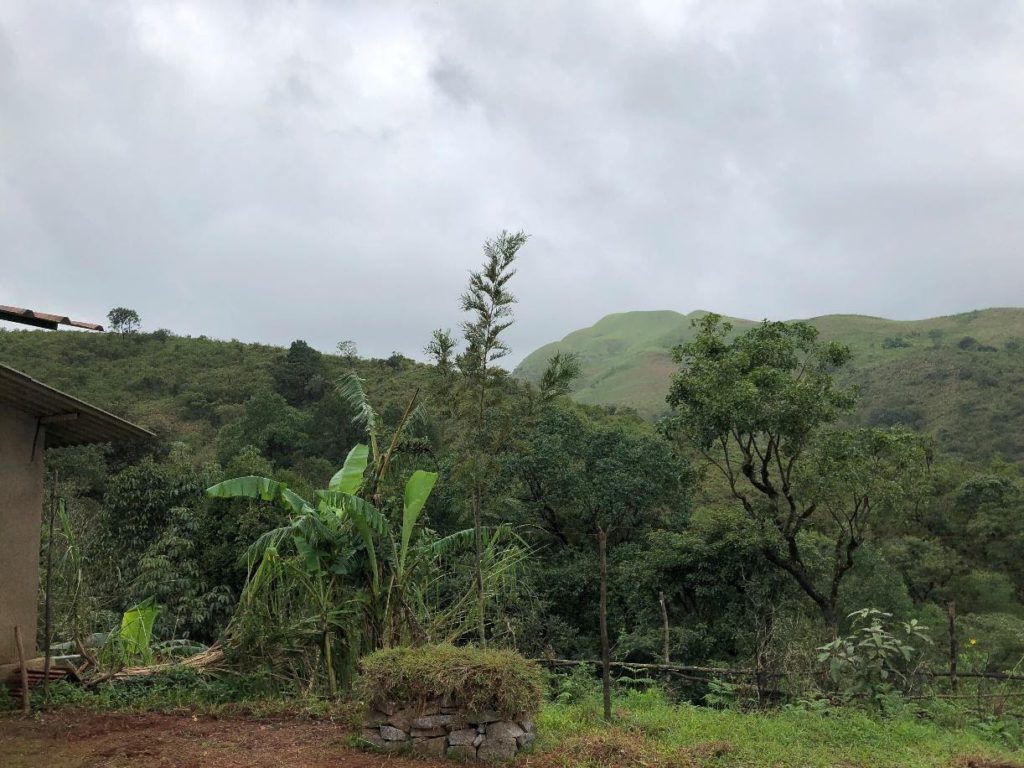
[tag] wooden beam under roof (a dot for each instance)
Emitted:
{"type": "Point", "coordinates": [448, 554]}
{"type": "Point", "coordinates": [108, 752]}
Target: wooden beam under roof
{"type": "Point", "coordinates": [43, 319]}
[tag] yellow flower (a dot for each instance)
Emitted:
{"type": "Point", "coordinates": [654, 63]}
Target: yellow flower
{"type": "Point", "coordinates": [972, 641]}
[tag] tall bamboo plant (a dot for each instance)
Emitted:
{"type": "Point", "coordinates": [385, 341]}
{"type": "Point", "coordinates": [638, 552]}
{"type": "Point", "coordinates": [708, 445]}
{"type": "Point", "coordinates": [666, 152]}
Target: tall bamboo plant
{"type": "Point", "coordinates": [472, 388]}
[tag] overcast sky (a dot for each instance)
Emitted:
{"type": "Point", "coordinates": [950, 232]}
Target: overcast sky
{"type": "Point", "coordinates": [280, 170]}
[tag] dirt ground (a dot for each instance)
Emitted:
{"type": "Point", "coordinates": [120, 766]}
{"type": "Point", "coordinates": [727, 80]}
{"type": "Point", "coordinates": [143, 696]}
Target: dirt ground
{"type": "Point", "coordinates": [85, 740]}
{"type": "Point", "coordinates": [115, 740]}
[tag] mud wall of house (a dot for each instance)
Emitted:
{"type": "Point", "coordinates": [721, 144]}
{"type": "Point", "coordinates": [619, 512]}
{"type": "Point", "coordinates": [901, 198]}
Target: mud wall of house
{"type": "Point", "coordinates": [21, 507]}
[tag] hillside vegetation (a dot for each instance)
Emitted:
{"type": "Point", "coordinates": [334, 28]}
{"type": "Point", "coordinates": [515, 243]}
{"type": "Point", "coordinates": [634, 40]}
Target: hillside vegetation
{"type": "Point", "coordinates": [957, 377]}
{"type": "Point", "coordinates": [185, 389]}
{"type": "Point", "coordinates": [303, 519]}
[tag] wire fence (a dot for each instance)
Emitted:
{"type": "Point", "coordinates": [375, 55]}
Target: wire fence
{"type": "Point", "coordinates": [987, 692]}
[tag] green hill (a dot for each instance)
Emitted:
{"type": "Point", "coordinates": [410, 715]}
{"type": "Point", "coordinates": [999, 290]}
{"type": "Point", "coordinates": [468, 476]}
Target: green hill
{"type": "Point", "coordinates": [960, 377]}
{"type": "Point", "coordinates": [189, 389]}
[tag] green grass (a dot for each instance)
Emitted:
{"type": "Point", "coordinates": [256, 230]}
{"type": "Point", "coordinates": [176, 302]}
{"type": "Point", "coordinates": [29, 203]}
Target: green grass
{"type": "Point", "coordinates": [914, 372]}
{"type": "Point", "coordinates": [648, 730]}
{"type": "Point", "coordinates": [651, 731]}
{"type": "Point", "coordinates": [478, 679]}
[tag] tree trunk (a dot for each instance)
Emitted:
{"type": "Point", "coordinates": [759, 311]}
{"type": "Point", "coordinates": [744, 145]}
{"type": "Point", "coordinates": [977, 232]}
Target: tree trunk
{"type": "Point", "coordinates": [48, 599]}
{"type": "Point", "coordinates": [664, 629]}
{"type": "Point", "coordinates": [793, 565]}
{"type": "Point", "coordinates": [478, 546]}
{"type": "Point", "coordinates": [332, 680]}
{"type": "Point", "coordinates": [665, 636]}
{"type": "Point", "coordinates": [602, 542]}
{"type": "Point", "coordinates": [954, 652]}
{"type": "Point", "coordinates": [828, 613]}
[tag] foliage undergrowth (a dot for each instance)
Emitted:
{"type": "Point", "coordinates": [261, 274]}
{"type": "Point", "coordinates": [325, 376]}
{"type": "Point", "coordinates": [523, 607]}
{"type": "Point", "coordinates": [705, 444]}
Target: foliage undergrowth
{"type": "Point", "coordinates": [478, 679]}
{"type": "Point", "coordinates": [186, 690]}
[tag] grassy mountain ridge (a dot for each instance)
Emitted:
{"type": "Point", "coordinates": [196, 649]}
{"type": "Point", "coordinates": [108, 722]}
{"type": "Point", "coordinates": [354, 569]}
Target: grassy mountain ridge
{"type": "Point", "coordinates": [958, 377]}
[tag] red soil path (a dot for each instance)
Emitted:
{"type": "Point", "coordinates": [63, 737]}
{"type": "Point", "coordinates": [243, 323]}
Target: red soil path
{"type": "Point", "coordinates": [89, 740]}
{"type": "Point", "coordinates": [114, 740]}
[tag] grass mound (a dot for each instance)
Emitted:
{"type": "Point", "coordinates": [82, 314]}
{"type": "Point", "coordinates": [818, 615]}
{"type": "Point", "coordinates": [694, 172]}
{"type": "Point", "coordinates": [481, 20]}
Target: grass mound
{"type": "Point", "coordinates": [477, 679]}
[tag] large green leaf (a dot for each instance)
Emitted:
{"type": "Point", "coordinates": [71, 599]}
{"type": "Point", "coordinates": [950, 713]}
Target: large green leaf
{"type": "Point", "coordinates": [137, 630]}
{"type": "Point", "coordinates": [350, 476]}
{"type": "Point", "coordinates": [347, 505]}
{"type": "Point", "coordinates": [417, 490]}
{"type": "Point", "coordinates": [308, 554]}
{"type": "Point", "coordinates": [254, 487]}
{"type": "Point", "coordinates": [367, 520]}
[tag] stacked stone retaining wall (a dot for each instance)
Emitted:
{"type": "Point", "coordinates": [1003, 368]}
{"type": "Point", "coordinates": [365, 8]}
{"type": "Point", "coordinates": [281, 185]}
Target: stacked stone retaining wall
{"type": "Point", "coordinates": [443, 728]}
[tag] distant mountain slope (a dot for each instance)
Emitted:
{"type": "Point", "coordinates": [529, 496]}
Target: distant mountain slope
{"type": "Point", "coordinates": [959, 377]}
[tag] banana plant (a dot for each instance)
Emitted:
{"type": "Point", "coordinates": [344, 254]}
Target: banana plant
{"type": "Point", "coordinates": [327, 535]}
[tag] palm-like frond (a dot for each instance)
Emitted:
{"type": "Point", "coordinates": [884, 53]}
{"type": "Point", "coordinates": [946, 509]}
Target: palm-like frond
{"type": "Point", "coordinates": [503, 557]}
{"type": "Point", "coordinates": [263, 488]}
{"type": "Point", "coordinates": [351, 388]}
{"type": "Point", "coordinates": [311, 527]}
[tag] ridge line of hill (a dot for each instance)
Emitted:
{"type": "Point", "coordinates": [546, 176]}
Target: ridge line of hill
{"type": "Point", "coordinates": [959, 377]}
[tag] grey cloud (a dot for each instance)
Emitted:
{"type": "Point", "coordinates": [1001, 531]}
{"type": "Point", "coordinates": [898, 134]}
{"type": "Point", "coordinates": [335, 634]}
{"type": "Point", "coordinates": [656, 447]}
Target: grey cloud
{"type": "Point", "coordinates": [326, 171]}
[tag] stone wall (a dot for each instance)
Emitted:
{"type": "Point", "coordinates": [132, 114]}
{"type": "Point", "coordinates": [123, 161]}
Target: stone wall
{"type": "Point", "coordinates": [443, 728]}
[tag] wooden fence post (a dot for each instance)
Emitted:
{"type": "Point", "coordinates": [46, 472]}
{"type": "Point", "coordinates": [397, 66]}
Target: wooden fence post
{"type": "Point", "coordinates": [953, 649]}
{"type": "Point", "coordinates": [48, 604]}
{"type": "Point", "coordinates": [664, 634]}
{"type": "Point", "coordinates": [26, 706]}
{"type": "Point", "coordinates": [602, 543]}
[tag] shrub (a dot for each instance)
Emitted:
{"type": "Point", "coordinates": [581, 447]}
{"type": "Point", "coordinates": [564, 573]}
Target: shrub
{"type": "Point", "coordinates": [895, 342]}
{"type": "Point", "coordinates": [990, 642]}
{"type": "Point", "coordinates": [172, 690]}
{"type": "Point", "coordinates": [576, 686]}
{"type": "Point", "coordinates": [478, 679]}
{"type": "Point", "coordinates": [877, 659]}
{"type": "Point", "coordinates": [893, 416]}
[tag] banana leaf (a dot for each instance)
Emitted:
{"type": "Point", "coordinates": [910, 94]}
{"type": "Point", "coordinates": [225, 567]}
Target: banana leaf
{"type": "Point", "coordinates": [136, 631]}
{"type": "Point", "coordinates": [417, 490]}
{"type": "Point", "coordinates": [350, 476]}
{"type": "Point", "coordinates": [254, 487]}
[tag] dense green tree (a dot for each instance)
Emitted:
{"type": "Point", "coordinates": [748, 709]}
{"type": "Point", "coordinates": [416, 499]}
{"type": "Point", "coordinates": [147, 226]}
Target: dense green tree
{"type": "Point", "coordinates": [347, 349]}
{"type": "Point", "coordinates": [575, 476]}
{"type": "Point", "coordinates": [300, 375]}
{"type": "Point", "coordinates": [195, 601]}
{"type": "Point", "coordinates": [270, 424]}
{"type": "Point", "coordinates": [583, 482]}
{"type": "Point", "coordinates": [761, 409]}
{"type": "Point", "coordinates": [136, 509]}
{"type": "Point", "coordinates": [331, 432]}
{"type": "Point", "coordinates": [992, 507]}
{"type": "Point", "coordinates": [721, 597]}
{"type": "Point", "coordinates": [123, 320]}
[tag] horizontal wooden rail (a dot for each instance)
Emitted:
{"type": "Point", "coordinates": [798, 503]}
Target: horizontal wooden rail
{"type": "Point", "coordinates": [677, 668]}
{"type": "Point", "coordinates": [683, 670]}
{"type": "Point", "coordinates": [983, 675]}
